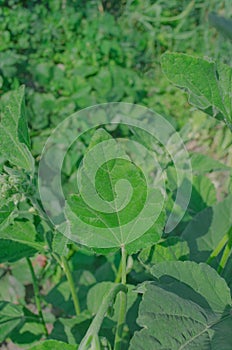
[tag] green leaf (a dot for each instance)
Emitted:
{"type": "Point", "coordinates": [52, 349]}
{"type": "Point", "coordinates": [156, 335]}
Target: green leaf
{"type": "Point", "coordinates": [205, 231]}
{"type": "Point", "coordinates": [60, 297]}
{"type": "Point", "coordinates": [115, 206]}
{"type": "Point", "coordinates": [23, 232]}
{"type": "Point", "coordinates": [71, 330]}
{"type": "Point", "coordinates": [171, 249]}
{"type": "Point", "coordinates": [149, 238]}
{"type": "Point", "coordinates": [6, 214]}
{"type": "Point", "coordinates": [190, 308]}
{"type": "Point", "coordinates": [59, 243]}
{"type": "Point", "coordinates": [203, 194]}
{"type": "Point", "coordinates": [208, 83]}
{"type": "Point", "coordinates": [14, 139]}
{"type": "Point", "coordinates": [202, 164]}
{"type": "Point", "coordinates": [11, 316]}
{"type": "Point", "coordinates": [53, 345]}
{"type": "Point", "coordinates": [30, 331]}
{"type": "Point", "coordinates": [11, 251]}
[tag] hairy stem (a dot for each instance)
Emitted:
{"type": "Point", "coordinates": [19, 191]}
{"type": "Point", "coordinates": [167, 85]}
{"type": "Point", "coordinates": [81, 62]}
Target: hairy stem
{"type": "Point", "coordinates": [98, 319]}
{"type": "Point", "coordinates": [68, 274]}
{"type": "Point", "coordinates": [61, 260]}
{"type": "Point", "coordinates": [37, 295]}
{"type": "Point", "coordinates": [123, 303]}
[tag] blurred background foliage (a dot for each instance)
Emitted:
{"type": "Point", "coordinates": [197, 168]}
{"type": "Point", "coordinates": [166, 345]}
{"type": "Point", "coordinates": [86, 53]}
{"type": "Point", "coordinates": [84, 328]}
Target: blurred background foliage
{"type": "Point", "coordinates": [74, 54]}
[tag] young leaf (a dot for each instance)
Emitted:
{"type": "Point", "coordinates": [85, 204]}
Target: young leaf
{"type": "Point", "coordinates": [14, 139]}
{"type": "Point", "coordinates": [208, 83]}
{"type": "Point", "coordinates": [189, 310]}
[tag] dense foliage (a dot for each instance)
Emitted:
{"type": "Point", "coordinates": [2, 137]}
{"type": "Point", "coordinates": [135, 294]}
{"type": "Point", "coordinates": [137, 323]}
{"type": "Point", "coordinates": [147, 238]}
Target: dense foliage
{"type": "Point", "coordinates": [122, 283]}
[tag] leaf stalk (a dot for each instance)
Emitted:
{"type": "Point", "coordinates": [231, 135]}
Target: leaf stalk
{"type": "Point", "coordinates": [37, 295]}
{"type": "Point", "coordinates": [123, 302]}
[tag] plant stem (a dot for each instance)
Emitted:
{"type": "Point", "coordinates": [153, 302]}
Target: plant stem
{"type": "Point", "coordinates": [123, 303]}
{"type": "Point", "coordinates": [61, 260]}
{"type": "Point", "coordinates": [119, 273]}
{"type": "Point", "coordinates": [98, 319]}
{"type": "Point", "coordinates": [68, 274]}
{"type": "Point", "coordinates": [218, 248]}
{"type": "Point", "coordinates": [224, 258]}
{"type": "Point", "coordinates": [37, 295]}
{"type": "Point", "coordinates": [226, 252]}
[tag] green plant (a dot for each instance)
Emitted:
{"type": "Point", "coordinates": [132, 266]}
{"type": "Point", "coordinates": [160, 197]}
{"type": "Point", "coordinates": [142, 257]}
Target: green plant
{"type": "Point", "coordinates": [111, 266]}
{"type": "Point", "coordinates": [116, 288]}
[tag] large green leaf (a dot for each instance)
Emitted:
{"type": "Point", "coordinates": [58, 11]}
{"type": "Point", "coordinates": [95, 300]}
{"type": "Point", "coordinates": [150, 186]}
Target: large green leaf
{"type": "Point", "coordinates": [11, 316]}
{"type": "Point", "coordinates": [207, 228]}
{"type": "Point", "coordinates": [190, 309]}
{"type": "Point", "coordinates": [14, 139]}
{"type": "Point", "coordinates": [115, 206]}
{"type": "Point", "coordinates": [208, 83]}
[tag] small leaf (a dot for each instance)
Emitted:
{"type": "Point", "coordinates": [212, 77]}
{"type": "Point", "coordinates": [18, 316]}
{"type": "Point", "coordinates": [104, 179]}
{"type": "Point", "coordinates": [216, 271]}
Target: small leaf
{"type": "Point", "coordinates": [14, 139]}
